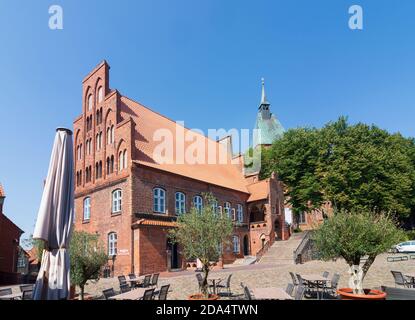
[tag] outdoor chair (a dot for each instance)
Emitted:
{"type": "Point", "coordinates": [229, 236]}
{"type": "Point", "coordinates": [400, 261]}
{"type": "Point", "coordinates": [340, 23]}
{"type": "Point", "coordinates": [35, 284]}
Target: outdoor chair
{"type": "Point", "coordinates": [308, 286]}
{"type": "Point", "coordinates": [5, 292]}
{"type": "Point", "coordinates": [154, 280]}
{"type": "Point", "coordinates": [122, 280]}
{"type": "Point", "coordinates": [27, 295]}
{"type": "Point", "coordinates": [146, 281]}
{"type": "Point", "coordinates": [290, 289]}
{"type": "Point", "coordinates": [124, 288]}
{"type": "Point", "coordinates": [226, 286]}
{"type": "Point", "coordinates": [108, 293]}
{"type": "Point", "coordinates": [326, 274]}
{"type": "Point", "coordinates": [400, 280]}
{"type": "Point", "coordinates": [299, 294]}
{"type": "Point", "coordinates": [163, 292]}
{"type": "Point", "coordinates": [148, 294]}
{"type": "Point", "coordinates": [248, 294]}
{"type": "Point", "coordinates": [332, 288]}
{"type": "Point", "coordinates": [24, 287]}
{"type": "Point", "coordinates": [294, 279]}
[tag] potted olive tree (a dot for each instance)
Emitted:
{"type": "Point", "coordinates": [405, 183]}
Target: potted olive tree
{"type": "Point", "coordinates": [200, 234]}
{"type": "Point", "coordinates": [352, 236]}
{"type": "Point", "coordinates": [87, 256]}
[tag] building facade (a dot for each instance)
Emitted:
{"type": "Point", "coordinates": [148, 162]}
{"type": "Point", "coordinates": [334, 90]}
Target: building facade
{"type": "Point", "coordinates": [130, 193]}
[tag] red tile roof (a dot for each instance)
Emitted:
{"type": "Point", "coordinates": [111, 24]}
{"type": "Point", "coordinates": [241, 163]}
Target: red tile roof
{"type": "Point", "coordinates": [258, 190]}
{"type": "Point", "coordinates": [148, 122]}
{"type": "Point", "coordinates": [151, 222]}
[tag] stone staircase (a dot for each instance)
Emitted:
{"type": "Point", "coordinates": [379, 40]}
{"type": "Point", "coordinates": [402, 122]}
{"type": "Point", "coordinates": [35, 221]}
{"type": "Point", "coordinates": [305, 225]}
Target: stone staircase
{"type": "Point", "coordinates": [281, 252]}
{"type": "Point", "coordinates": [247, 260]}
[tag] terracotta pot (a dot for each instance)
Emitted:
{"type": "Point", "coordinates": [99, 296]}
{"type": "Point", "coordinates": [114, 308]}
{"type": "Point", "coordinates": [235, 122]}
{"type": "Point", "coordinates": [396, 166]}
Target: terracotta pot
{"type": "Point", "coordinates": [199, 296]}
{"type": "Point", "coordinates": [370, 294]}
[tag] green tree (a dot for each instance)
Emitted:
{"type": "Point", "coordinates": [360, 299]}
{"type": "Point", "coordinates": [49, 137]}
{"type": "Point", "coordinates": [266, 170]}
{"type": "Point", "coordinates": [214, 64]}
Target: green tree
{"type": "Point", "coordinates": [351, 166]}
{"type": "Point", "coordinates": [353, 235]}
{"type": "Point", "coordinates": [201, 234]}
{"type": "Point", "coordinates": [87, 256]}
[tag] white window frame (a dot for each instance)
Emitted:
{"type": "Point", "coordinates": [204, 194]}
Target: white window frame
{"type": "Point", "coordinates": [227, 209]}
{"type": "Point", "coordinates": [90, 102]}
{"type": "Point", "coordinates": [236, 244]}
{"type": "Point", "coordinates": [240, 213]}
{"type": "Point", "coordinates": [302, 218]}
{"type": "Point", "coordinates": [87, 209]}
{"type": "Point", "coordinates": [112, 243]}
{"type": "Point", "coordinates": [116, 201]}
{"type": "Point", "coordinates": [159, 200]}
{"type": "Point", "coordinates": [198, 203]}
{"type": "Point", "coordinates": [180, 202]}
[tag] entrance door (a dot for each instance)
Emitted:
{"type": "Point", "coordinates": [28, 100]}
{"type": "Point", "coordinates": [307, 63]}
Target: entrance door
{"type": "Point", "coordinates": [174, 255]}
{"type": "Point", "coordinates": [246, 246]}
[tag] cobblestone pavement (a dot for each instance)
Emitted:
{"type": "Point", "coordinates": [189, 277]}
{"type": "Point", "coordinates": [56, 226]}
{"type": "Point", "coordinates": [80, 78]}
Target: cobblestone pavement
{"type": "Point", "coordinates": [184, 283]}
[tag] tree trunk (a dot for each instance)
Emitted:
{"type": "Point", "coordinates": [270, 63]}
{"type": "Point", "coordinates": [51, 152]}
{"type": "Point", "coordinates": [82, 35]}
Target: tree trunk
{"type": "Point", "coordinates": [81, 294]}
{"type": "Point", "coordinates": [367, 264]}
{"type": "Point", "coordinates": [205, 280]}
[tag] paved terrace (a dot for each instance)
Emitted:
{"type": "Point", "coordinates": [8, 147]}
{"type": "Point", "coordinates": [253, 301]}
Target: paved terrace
{"type": "Point", "coordinates": [184, 283]}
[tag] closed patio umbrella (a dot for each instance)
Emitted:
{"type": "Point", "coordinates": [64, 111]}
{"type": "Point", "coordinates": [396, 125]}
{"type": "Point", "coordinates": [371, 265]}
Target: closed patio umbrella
{"type": "Point", "coordinates": [54, 221]}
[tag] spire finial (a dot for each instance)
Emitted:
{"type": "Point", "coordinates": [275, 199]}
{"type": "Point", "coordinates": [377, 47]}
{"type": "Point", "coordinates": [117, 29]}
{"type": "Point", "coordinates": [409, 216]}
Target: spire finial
{"type": "Point", "coordinates": [263, 99]}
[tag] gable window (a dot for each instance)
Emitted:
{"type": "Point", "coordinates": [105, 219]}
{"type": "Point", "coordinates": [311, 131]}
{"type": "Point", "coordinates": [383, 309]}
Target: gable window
{"type": "Point", "coordinates": [116, 200]}
{"type": "Point", "coordinates": [227, 209]}
{"type": "Point", "coordinates": [159, 200]}
{"type": "Point", "coordinates": [112, 244]}
{"type": "Point", "coordinates": [90, 102]}
{"type": "Point", "coordinates": [235, 242]}
{"type": "Point", "coordinates": [198, 203]}
{"type": "Point", "coordinates": [87, 208]}
{"type": "Point", "coordinates": [180, 203]}
{"type": "Point", "coordinates": [100, 94]}
{"type": "Point", "coordinates": [240, 213]}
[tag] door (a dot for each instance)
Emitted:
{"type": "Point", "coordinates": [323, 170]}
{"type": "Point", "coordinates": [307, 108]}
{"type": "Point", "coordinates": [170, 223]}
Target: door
{"type": "Point", "coordinates": [246, 246]}
{"type": "Point", "coordinates": [174, 255]}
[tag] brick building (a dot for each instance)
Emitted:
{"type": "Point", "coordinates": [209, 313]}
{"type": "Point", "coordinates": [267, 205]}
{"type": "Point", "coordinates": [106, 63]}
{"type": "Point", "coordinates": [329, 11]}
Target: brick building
{"type": "Point", "coordinates": [130, 194]}
{"type": "Point", "coordinates": [9, 241]}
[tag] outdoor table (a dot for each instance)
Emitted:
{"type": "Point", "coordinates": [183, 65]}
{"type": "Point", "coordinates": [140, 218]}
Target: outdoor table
{"type": "Point", "coordinates": [271, 293]}
{"type": "Point", "coordinates": [12, 296]}
{"type": "Point", "coordinates": [318, 280]}
{"type": "Point", "coordinates": [214, 281]}
{"type": "Point", "coordinates": [137, 280]}
{"type": "Point", "coordinates": [135, 294]}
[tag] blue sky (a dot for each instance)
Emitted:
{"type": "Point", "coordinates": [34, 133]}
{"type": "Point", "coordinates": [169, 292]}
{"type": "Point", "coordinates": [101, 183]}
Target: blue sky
{"type": "Point", "coordinates": [200, 62]}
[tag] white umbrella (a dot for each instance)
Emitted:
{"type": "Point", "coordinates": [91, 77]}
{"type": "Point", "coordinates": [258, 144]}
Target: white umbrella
{"type": "Point", "coordinates": [54, 221]}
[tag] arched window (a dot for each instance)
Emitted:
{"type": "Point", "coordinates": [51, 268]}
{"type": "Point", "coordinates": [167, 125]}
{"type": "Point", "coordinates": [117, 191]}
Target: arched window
{"type": "Point", "coordinates": [100, 94]}
{"type": "Point", "coordinates": [112, 164]}
{"type": "Point", "coordinates": [86, 174]}
{"type": "Point", "coordinates": [96, 171]}
{"type": "Point", "coordinates": [227, 209]}
{"type": "Point", "coordinates": [112, 134]}
{"type": "Point", "coordinates": [159, 200]}
{"type": "Point", "coordinates": [198, 203]}
{"type": "Point", "coordinates": [97, 142]}
{"type": "Point", "coordinates": [87, 208]}
{"type": "Point", "coordinates": [108, 165]}
{"type": "Point", "coordinates": [116, 200]}
{"type": "Point", "coordinates": [80, 177]}
{"type": "Point", "coordinates": [235, 241]}
{"type": "Point", "coordinates": [125, 159]}
{"type": "Point", "coordinates": [109, 136]}
{"type": "Point", "coordinates": [80, 151]}
{"type": "Point", "coordinates": [112, 244]}
{"type": "Point", "coordinates": [120, 161]}
{"type": "Point", "coordinates": [240, 213]}
{"type": "Point", "coordinates": [180, 203]}
{"type": "Point", "coordinates": [90, 102]}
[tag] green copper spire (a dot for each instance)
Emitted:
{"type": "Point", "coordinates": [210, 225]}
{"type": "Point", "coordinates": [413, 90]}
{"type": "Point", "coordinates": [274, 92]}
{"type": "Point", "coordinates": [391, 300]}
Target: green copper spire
{"type": "Point", "coordinates": [268, 126]}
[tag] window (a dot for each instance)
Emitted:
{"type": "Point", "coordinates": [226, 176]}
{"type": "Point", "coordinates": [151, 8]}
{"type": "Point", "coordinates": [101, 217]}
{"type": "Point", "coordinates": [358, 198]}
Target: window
{"type": "Point", "coordinates": [21, 262]}
{"type": "Point", "coordinates": [99, 141]}
{"type": "Point", "coordinates": [215, 206]}
{"type": "Point", "coordinates": [116, 200]}
{"type": "Point", "coordinates": [100, 94]}
{"type": "Point", "coordinates": [227, 208]}
{"type": "Point", "coordinates": [87, 208]}
{"type": "Point", "coordinates": [125, 159]}
{"type": "Point", "coordinates": [180, 203]}
{"type": "Point", "coordinates": [302, 218]}
{"type": "Point", "coordinates": [235, 242]}
{"type": "Point", "coordinates": [122, 159]}
{"type": "Point", "coordinates": [90, 102]}
{"type": "Point", "coordinates": [159, 198]}
{"type": "Point", "coordinates": [198, 203]}
{"type": "Point", "coordinates": [112, 134]}
{"type": "Point", "coordinates": [112, 244]}
{"type": "Point", "coordinates": [240, 213]}
{"type": "Point", "coordinates": [109, 136]}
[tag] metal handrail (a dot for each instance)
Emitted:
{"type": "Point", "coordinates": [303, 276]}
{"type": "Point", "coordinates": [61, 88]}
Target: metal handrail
{"type": "Point", "coordinates": [301, 246]}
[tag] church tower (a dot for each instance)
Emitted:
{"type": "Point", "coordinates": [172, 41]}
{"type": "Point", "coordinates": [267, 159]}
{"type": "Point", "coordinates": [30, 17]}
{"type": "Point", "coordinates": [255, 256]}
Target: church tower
{"type": "Point", "coordinates": [268, 128]}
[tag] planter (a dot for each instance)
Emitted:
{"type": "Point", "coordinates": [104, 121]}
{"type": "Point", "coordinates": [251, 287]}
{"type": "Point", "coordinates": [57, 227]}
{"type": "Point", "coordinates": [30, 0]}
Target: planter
{"type": "Point", "coordinates": [200, 296]}
{"type": "Point", "coordinates": [370, 294]}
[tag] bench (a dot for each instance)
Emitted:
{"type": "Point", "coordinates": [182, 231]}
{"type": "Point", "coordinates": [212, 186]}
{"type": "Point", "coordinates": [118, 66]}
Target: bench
{"type": "Point", "coordinates": [395, 259]}
{"type": "Point", "coordinates": [398, 293]}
